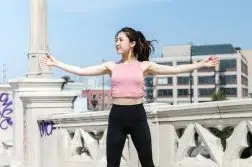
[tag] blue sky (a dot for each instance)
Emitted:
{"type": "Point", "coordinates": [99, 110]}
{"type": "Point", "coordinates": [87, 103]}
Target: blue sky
{"type": "Point", "coordinates": [81, 32]}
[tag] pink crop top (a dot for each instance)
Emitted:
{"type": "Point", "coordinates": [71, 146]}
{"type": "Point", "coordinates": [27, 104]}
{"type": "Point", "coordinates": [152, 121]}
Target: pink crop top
{"type": "Point", "coordinates": [127, 80]}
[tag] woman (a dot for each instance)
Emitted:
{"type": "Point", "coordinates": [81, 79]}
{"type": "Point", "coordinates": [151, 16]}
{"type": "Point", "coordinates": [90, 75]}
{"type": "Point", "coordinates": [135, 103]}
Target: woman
{"type": "Point", "coordinates": [127, 115]}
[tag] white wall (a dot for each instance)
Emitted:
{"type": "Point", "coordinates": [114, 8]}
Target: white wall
{"type": "Point", "coordinates": [6, 122]}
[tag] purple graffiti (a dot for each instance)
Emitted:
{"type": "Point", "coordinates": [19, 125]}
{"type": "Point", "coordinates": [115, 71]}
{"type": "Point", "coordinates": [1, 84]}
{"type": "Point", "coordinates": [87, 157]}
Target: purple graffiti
{"type": "Point", "coordinates": [46, 128]}
{"type": "Point", "coordinates": [5, 119]}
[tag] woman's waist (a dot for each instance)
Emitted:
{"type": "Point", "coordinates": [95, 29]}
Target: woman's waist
{"type": "Point", "coordinates": [127, 93]}
{"type": "Point", "coordinates": [127, 100]}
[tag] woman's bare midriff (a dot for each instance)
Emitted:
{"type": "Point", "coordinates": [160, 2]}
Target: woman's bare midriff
{"type": "Point", "coordinates": [127, 101]}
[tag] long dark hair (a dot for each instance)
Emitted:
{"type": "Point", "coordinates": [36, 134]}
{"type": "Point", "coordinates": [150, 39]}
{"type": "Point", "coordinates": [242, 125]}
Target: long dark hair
{"type": "Point", "coordinates": [143, 47]}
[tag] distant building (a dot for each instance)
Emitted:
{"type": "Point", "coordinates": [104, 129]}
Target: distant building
{"type": "Point", "coordinates": [87, 93]}
{"type": "Point", "coordinates": [230, 77]}
{"type": "Point", "coordinates": [97, 99]}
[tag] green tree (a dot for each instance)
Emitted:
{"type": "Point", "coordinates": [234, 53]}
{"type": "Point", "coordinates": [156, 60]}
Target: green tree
{"type": "Point", "coordinates": [66, 80]}
{"type": "Point", "coordinates": [218, 96]}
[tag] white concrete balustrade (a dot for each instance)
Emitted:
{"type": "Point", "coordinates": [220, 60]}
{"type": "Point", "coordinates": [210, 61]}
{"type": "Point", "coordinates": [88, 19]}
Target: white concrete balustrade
{"type": "Point", "coordinates": [213, 134]}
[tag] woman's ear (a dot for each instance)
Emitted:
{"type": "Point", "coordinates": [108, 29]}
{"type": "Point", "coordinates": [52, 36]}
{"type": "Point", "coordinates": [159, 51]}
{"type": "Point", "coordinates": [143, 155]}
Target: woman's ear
{"type": "Point", "coordinates": [132, 44]}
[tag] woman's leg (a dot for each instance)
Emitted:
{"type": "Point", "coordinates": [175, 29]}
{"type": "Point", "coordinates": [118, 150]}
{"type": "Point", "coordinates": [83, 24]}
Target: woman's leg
{"type": "Point", "coordinates": [115, 142]}
{"type": "Point", "coordinates": [141, 138]}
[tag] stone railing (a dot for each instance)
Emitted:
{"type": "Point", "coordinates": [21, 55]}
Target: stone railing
{"type": "Point", "coordinates": [213, 134]}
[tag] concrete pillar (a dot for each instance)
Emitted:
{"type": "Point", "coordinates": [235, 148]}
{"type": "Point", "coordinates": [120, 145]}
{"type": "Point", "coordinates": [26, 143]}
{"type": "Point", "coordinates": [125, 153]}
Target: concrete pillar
{"type": "Point", "coordinates": [38, 43]}
{"type": "Point", "coordinates": [33, 89]}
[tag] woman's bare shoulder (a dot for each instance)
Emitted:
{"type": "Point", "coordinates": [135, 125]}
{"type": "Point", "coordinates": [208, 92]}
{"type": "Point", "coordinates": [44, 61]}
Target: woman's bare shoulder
{"type": "Point", "coordinates": [110, 64]}
{"type": "Point", "coordinates": [145, 65]}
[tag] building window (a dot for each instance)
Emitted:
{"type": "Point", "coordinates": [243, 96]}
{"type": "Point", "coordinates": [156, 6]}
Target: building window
{"type": "Point", "coordinates": [183, 62]}
{"type": "Point", "coordinates": [206, 80]}
{"type": "Point", "coordinates": [229, 91]}
{"type": "Point", "coordinates": [94, 97]}
{"type": "Point", "coordinates": [228, 65]}
{"type": "Point", "coordinates": [205, 92]}
{"type": "Point", "coordinates": [149, 82]}
{"type": "Point", "coordinates": [165, 93]}
{"type": "Point", "coordinates": [166, 63]}
{"type": "Point", "coordinates": [183, 92]}
{"type": "Point", "coordinates": [149, 95]}
{"type": "Point", "coordinates": [183, 80]}
{"type": "Point", "coordinates": [244, 68]}
{"type": "Point", "coordinates": [164, 81]}
{"type": "Point", "coordinates": [206, 69]}
{"type": "Point", "coordinates": [213, 49]}
{"type": "Point", "coordinates": [244, 92]}
{"type": "Point", "coordinates": [228, 79]}
{"type": "Point", "coordinates": [244, 80]}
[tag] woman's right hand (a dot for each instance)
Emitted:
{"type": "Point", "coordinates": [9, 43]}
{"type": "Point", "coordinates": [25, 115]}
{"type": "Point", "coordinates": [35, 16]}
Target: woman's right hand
{"type": "Point", "coordinates": [48, 61]}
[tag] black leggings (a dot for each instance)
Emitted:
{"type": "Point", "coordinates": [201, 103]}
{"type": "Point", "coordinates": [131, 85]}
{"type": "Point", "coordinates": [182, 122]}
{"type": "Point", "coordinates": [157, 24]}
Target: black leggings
{"type": "Point", "coordinates": [123, 120]}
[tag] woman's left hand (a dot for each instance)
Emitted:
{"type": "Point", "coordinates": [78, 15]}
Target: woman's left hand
{"type": "Point", "coordinates": [211, 61]}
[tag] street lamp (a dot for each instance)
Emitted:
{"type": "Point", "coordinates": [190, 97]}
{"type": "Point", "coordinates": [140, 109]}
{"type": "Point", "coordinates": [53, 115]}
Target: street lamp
{"type": "Point", "coordinates": [190, 80]}
{"type": "Point", "coordinates": [103, 88]}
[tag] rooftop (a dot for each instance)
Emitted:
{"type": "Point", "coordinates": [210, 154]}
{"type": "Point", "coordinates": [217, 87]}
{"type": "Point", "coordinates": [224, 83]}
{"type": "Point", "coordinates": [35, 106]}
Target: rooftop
{"type": "Point", "coordinates": [213, 49]}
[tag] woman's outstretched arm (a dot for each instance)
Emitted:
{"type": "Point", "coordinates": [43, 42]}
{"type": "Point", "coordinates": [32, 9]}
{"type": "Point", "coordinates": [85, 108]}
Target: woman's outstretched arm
{"type": "Point", "coordinates": [88, 71]}
{"type": "Point", "coordinates": [155, 68]}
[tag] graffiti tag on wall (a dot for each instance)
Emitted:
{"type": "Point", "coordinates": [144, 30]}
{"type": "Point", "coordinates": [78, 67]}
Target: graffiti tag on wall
{"type": "Point", "coordinates": [6, 111]}
{"type": "Point", "coordinates": [46, 128]}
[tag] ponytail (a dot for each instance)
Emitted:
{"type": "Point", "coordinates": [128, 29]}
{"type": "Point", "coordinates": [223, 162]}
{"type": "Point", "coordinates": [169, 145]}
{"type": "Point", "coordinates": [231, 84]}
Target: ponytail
{"type": "Point", "coordinates": [143, 47]}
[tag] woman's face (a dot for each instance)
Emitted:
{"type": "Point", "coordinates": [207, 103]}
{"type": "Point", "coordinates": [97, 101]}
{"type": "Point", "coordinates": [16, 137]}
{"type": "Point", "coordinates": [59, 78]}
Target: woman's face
{"type": "Point", "coordinates": [122, 44]}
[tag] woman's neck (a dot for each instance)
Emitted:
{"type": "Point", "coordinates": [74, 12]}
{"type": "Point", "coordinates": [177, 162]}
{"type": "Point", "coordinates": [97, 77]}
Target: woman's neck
{"type": "Point", "coordinates": [128, 58]}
